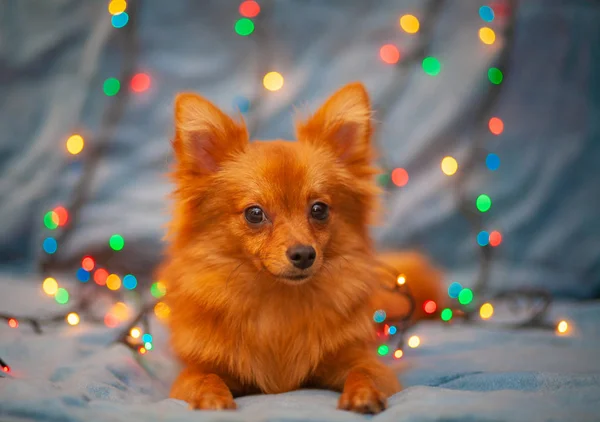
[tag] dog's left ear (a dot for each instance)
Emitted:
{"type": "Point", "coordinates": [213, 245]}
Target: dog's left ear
{"type": "Point", "coordinates": [342, 124]}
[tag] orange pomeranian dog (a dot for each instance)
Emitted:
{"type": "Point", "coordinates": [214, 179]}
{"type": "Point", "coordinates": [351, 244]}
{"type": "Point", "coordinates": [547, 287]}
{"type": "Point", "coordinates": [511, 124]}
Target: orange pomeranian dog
{"type": "Point", "coordinates": [270, 269]}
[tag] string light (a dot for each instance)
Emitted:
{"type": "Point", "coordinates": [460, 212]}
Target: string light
{"type": "Point", "coordinates": [75, 144]}
{"type": "Point", "coordinates": [401, 280]}
{"type": "Point", "coordinates": [409, 24]}
{"type": "Point", "coordinates": [241, 103]}
{"type": "Point", "coordinates": [379, 316]}
{"type": "Point", "coordinates": [431, 66]}
{"type": "Point", "coordinates": [148, 346]}
{"type": "Point", "coordinates": [13, 323]}
{"type": "Point", "coordinates": [50, 286]}
{"type": "Point", "coordinates": [50, 245]}
{"type": "Point", "coordinates": [495, 238]}
{"type": "Point", "coordinates": [414, 342]}
{"type": "Point", "coordinates": [486, 13]}
{"type": "Point", "coordinates": [562, 327]}
{"type": "Point", "coordinates": [492, 161]}
{"type": "Point", "coordinates": [389, 53]}
{"type": "Point", "coordinates": [273, 81]}
{"type": "Point", "coordinates": [83, 275]}
{"type": "Point", "coordinates": [429, 306]}
{"type": "Point", "coordinates": [399, 177]}
{"type": "Point", "coordinates": [249, 9]}
{"type": "Point", "coordinates": [120, 20]}
{"type": "Point", "coordinates": [135, 332]}
{"type": "Point", "coordinates": [392, 330]}
{"type": "Point", "coordinates": [87, 263]}
{"type": "Point", "coordinates": [116, 242]}
{"type": "Point", "coordinates": [62, 296]}
{"type": "Point", "coordinates": [162, 310]}
{"type": "Point", "coordinates": [398, 353]}
{"type": "Point", "coordinates": [51, 220]}
{"type": "Point", "coordinates": [111, 86]}
{"type": "Point", "coordinates": [147, 338]}
{"type": "Point", "coordinates": [110, 320]}
{"type": "Point", "coordinates": [446, 314]}
{"type": "Point", "coordinates": [487, 35]}
{"type": "Point", "coordinates": [142, 351]}
{"type": "Point", "coordinates": [129, 282]}
{"type": "Point", "coordinates": [496, 125]}
{"type": "Point", "coordinates": [158, 289]}
{"type": "Point", "coordinates": [484, 203]}
{"type": "Point", "coordinates": [483, 238]}
{"type": "Point", "coordinates": [140, 82]}
{"type": "Point", "coordinates": [454, 290]}
{"type": "Point", "coordinates": [117, 6]}
{"type": "Point", "coordinates": [73, 318]}
{"type": "Point", "coordinates": [244, 27]}
{"type": "Point", "coordinates": [63, 215]}
{"type": "Point", "coordinates": [383, 350]}
{"type": "Point", "coordinates": [100, 276]}
{"type": "Point", "coordinates": [120, 311]}
{"type": "Point", "coordinates": [486, 311]}
{"type": "Point", "coordinates": [6, 368]}
{"type": "Point", "coordinates": [495, 75]}
{"type": "Point", "coordinates": [113, 282]}
{"type": "Point", "coordinates": [465, 296]}
{"type": "Point", "coordinates": [449, 165]}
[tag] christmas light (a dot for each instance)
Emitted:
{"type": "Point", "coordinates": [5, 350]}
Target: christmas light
{"type": "Point", "coordinates": [50, 245]}
{"type": "Point", "coordinates": [51, 220]}
{"type": "Point", "coordinates": [429, 306]}
{"type": "Point", "coordinates": [147, 338]}
{"type": "Point", "coordinates": [273, 81]}
{"type": "Point", "coordinates": [62, 296]}
{"type": "Point", "coordinates": [87, 263]}
{"type": "Point", "coordinates": [249, 9]}
{"type": "Point", "coordinates": [50, 286]}
{"type": "Point", "coordinates": [158, 289]}
{"type": "Point", "coordinates": [113, 282]}
{"type": "Point", "coordinates": [120, 311]}
{"type": "Point", "coordinates": [486, 311]}
{"type": "Point", "coordinates": [401, 279]}
{"type": "Point", "coordinates": [487, 35]}
{"type": "Point", "coordinates": [111, 86]}
{"type": "Point", "coordinates": [431, 66]}
{"type": "Point", "coordinates": [148, 346]}
{"type": "Point", "coordinates": [409, 24]}
{"type": "Point", "coordinates": [486, 13]}
{"type": "Point", "coordinates": [465, 296]}
{"type": "Point", "coordinates": [100, 276]}
{"type": "Point", "coordinates": [162, 310]}
{"type": "Point", "coordinates": [110, 320]}
{"type": "Point", "coordinates": [241, 103]}
{"type": "Point", "coordinates": [389, 53]}
{"type": "Point", "coordinates": [116, 242]}
{"type": "Point", "coordinates": [120, 20]}
{"type": "Point", "coordinates": [83, 275]}
{"type": "Point", "coordinates": [454, 290]}
{"type": "Point", "coordinates": [129, 282]}
{"type": "Point", "coordinates": [63, 215]}
{"type": "Point", "coordinates": [484, 203]}
{"type": "Point", "coordinates": [399, 177]}
{"type": "Point", "coordinates": [142, 351]}
{"type": "Point", "coordinates": [392, 330]}
{"type": "Point", "coordinates": [135, 332]}
{"type": "Point", "coordinates": [449, 165]}
{"type": "Point", "coordinates": [244, 27]}
{"type": "Point", "coordinates": [13, 323]}
{"type": "Point", "coordinates": [117, 6]}
{"type": "Point", "coordinates": [398, 353]}
{"type": "Point", "coordinates": [414, 342]}
{"type": "Point", "coordinates": [140, 82]}
{"type": "Point", "coordinates": [495, 75]}
{"type": "Point", "coordinates": [492, 161]}
{"type": "Point", "coordinates": [496, 125]}
{"type": "Point", "coordinates": [562, 327]}
{"type": "Point", "coordinates": [75, 144]}
{"type": "Point", "coordinates": [379, 316]}
{"type": "Point", "coordinates": [446, 314]}
{"type": "Point", "coordinates": [73, 318]}
{"type": "Point", "coordinates": [495, 238]}
{"type": "Point", "coordinates": [383, 350]}
{"type": "Point", "coordinates": [483, 238]}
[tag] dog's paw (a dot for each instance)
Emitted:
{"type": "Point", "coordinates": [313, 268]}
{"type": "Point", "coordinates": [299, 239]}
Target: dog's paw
{"type": "Point", "coordinates": [210, 401]}
{"type": "Point", "coordinates": [363, 399]}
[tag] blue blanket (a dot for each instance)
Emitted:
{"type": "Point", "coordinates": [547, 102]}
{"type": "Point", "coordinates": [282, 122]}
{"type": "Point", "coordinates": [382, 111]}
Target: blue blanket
{"type": "Point", "coordinates": [458, 373]}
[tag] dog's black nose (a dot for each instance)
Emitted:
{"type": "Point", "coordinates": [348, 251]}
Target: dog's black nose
{"type": "Point", "coordinates": [302, 256]}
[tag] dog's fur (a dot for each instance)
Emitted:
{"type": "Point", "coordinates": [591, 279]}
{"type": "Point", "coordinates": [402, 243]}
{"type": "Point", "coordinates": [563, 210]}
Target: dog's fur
{"type": "Point", "coordinates": [240, 321]}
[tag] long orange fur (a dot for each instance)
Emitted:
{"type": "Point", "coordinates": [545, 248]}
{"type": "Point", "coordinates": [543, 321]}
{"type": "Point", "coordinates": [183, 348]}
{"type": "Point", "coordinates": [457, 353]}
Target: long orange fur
{"type": "Point", "coordinates": [238, 323]}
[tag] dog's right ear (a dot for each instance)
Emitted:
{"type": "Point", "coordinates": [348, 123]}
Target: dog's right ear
{"type": "Point", "coordinates": [205, 137]}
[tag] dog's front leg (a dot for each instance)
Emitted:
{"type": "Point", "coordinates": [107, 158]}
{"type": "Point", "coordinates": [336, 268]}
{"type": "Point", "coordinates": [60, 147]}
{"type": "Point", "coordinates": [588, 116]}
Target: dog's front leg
{"type": "Point", "coordinates": [202, 390]}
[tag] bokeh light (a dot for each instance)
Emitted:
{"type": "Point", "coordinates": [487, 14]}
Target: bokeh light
{"type": "Point", "coordinates": [449, 166]}
{"type": "Point", "coordinates": [562, 327]}
{"type": "Point", "coordinates": [249, 8]}
{"type": "Point", "coordinates": [483, 238]}
{"type": "Point", "coordinates": [113, 282]}
{"type": "Point", "coordinates": [116, 242]}
{"type": "Point", "coordinates": [110, 320]}
{"type": "Point", "coordinates": [495, 238]}
{"type": "Point", "coordinates": [409, 24]}
{"type": "Point", "coordinates": [392, 330]}
{"type": "Point", "coordinates": [495, 75]}
{"type": "Point", "coordinates": [379, 316]}
{"type": "Point", "coordinates": [431, 66]}
{"type": "Point", "coordinates": [50, 246]}
{"type": "Point", "coordinates": [389, 53]}
{"type": "Point", "coordinates": [401, 280]}
{"type": "Point", "coordinates": [83, 275]}
{"type": "Point", "coordinates": [147, 338]}
{"type": "Point", "coordinates": [62, 296]}
{"type": "Point", "coordinates": [244, 27]}
{"type": "Point", "coordinates": [111, 86]}
{"type": "Point", "coordinates": [100, 276]}
{"type": "Point", "coordinates": [398, 353]}
{"type": "Point", "coordinates": [486, 13]}
{"type": "Point", "coordinates": [73, 318]}
{"type": "Point", "coordinates": [120, 311]}
{"type": "Point", "coordinates": [484, 203]}
{"type": "Point", "coordinates": [429, 306]}
{"type": "Point", "coordinates": [51, 220]}
{"type": "Point", "coordinates": [465, 296]}
{"type": "Point", "coordinates": [487, 35]}
{"type": "Point", "coordinates": [117, 6]}
{"type": "Point", "coordinates": [383, 350]}
{"type": "Point", "coordinates": [129, 282]}
{"type": "Point", "coordinates": [75, 144]}
{"type": "Point", "coordinates": [50, 286]}
{"type": "Point", "coordinates": [492, 161]}
{"type": "Point", "coordinates": [486, 311]}
{"type": "Point", "coordinates": [63, 215]}
{"type": "Point", "coordinates": [13, 323]}
{"type": "Point", "coordinates": [496, 125]}
{"type": "Point", "coordinates": [135, 332]}
{"type": "Point", "coordinates": [142, 350]}
{"type": "Point", "coordinates": [414, 342]}
{"type": "Point", "coordinates": [446, 314]}
{"type": "Point", "coordinates": [241, 103]}
{"type": "Point", "coordinates": [273, 81]}
{"type": "Point", "coordinates": [399, 177]}
{"type": "Point", "coordinates": [140, 82]}
{"type": "Point", "coordinates": [87, 263]}
{"type": "Point", "coordinates": [454, 290]}
{"type": "Point", "coordinates": [162, 310]}
{"type": "Point", "coordinates": [148, 346]}
{"type": "Point", "coordinates": [120, 20]}
{"type": "Point", "coordinates": [158, 289]}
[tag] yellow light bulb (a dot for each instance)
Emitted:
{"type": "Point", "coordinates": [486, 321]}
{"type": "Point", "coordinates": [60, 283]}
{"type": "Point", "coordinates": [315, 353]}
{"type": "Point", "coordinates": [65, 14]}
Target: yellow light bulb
{"type": "Point", "coordinates": [73, 318]}
{"type": "Point", "coordinates": [113, 282]}
{"type": "Point", "coordinates": [409, 23]}
{"type": "Point", "coordinates": [487, 35]}
{"type": "Point", "coordinates": [414, 342]}
{"type": "Point", "coordinates": [162, 310]}
{"type": "Point", "coordinates": [486, 311]}
{"type": "Point", "coordinates": [401, 279]}
{"type": "Point", "coordinates": [75, 144]}
{"type": "Point", "coordinates": [273, 81]}
{"type": "Point", "coordinates": [135, 332]}
{"type": "Point", "coordinates": [562, 327]}
{"type": "Point", "coordinates": [449, 165]}
{"type": "Point", "coordinates": [50, 286]}
{"type": "Point", "coordinates": [398, 354]}
{"type": "Point", "coordinates": [117, 6]}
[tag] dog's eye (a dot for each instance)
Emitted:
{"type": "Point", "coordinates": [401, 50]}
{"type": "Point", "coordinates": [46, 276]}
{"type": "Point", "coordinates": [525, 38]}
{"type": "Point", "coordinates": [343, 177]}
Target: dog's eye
{"type": "Point", "coordinates": [254, 215]}
{"type": "Point", "coordinates": [319, 211]}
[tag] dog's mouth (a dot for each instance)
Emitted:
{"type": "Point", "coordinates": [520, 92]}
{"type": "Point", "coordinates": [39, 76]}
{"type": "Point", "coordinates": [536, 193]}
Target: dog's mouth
{"type": "Point", "coordinates": [293, 278]}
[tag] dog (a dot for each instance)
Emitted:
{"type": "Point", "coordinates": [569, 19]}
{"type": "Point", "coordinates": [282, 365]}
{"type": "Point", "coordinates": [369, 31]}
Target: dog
{"type": "Point", "coordinates": [270, 271]}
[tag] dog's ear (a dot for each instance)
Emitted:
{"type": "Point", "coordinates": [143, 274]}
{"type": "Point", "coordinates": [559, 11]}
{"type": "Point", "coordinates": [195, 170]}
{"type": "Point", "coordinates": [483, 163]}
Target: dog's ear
{"type": "Point", "coordinates": [342, 124]}
{"type": "Point", "coordinates": [204, 135]}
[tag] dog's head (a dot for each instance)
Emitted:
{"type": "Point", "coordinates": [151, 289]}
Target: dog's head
{"type": "Point", "coordinates": [286, 208]}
